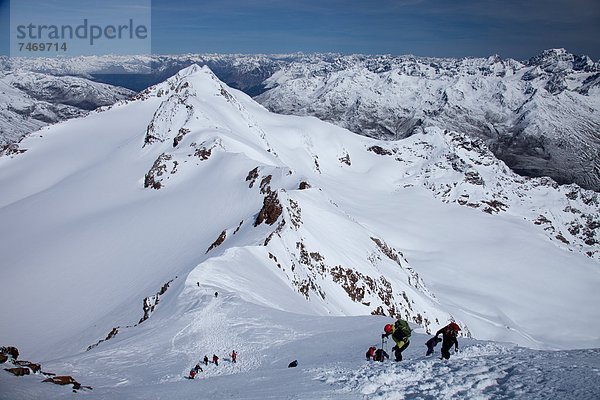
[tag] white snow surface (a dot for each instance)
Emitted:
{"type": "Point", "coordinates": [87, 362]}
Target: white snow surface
{"type": "Point", "coordinates": [99, 213]}
{"type": "Point", "coordinates": [152, 363]}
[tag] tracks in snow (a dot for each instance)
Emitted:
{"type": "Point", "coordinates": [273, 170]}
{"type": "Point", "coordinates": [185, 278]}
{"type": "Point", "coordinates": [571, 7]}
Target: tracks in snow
{"type": "Point", "coordinates": [488, 371]}
{"type": "Point", "coordinates": [214, 328]}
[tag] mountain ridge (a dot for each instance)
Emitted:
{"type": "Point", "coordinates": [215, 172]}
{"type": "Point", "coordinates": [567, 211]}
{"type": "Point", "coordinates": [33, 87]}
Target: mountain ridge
{"type": "Point", "coordinates": [366, 234]}
{"type": "Point", "coordinates": [537, 115]}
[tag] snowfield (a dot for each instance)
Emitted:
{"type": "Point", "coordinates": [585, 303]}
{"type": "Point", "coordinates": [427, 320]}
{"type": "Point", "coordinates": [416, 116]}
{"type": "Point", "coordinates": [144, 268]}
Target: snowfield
{"type": "Point", "coordinates": [152, 363]}
{"type": "Point", "coordinates": [122, 225]}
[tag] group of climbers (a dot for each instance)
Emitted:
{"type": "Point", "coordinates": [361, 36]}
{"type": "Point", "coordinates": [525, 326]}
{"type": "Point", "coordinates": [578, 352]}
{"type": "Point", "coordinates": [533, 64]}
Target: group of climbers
{"type": "Point", "coordinates": [401, 332]}
{"type": "Point", "coordinates": [215, 360]}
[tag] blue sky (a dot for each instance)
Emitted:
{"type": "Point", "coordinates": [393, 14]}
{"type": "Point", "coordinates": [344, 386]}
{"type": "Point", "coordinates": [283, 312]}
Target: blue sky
{"type": "Point", "coordinates": [457, 28]}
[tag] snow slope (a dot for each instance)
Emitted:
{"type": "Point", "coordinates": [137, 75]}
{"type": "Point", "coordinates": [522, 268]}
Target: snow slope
{"type": "Point", "coordinates": [31, 100]}
{"type": "Point", "coordinates": [152, 362]}
{"type": "Point", "coordinates": [121, 225]}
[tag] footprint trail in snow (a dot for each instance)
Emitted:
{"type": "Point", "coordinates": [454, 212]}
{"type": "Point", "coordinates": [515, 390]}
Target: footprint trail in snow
{"type": "Point", "coordinates": [488, 371]}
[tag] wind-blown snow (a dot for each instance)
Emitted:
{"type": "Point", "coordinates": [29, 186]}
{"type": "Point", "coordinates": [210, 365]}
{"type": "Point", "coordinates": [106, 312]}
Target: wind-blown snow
{"type": "Point", "coordinates": [194, 188]}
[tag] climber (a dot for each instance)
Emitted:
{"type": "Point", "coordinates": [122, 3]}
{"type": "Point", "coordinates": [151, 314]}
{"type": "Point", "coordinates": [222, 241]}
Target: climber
{"type": "Point", "coordinates": [215, 360]}
{"type": "Point", "coordinates": [431, 343]}
{"type": "Point", "coordinates": [370, 353]}
{"type": "Point", "coordinates": [380, 355]}
{"type": "Point", "coordinates": [449, 333]}
{"type": "Point", "coordinates": [400, 332]}
{"type": "Point", "coordinates": [233, 356]}
{"type": "Point", "coordinates": [205, 360]}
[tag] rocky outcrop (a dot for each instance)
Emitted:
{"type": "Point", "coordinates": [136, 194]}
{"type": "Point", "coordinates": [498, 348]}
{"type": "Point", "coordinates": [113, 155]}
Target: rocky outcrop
{"type": "Point", "coordinates": [265, 184]}
{"type": "Point", "coordinates": [154, 177]}
{"type": "Point", "coordinates": [148, 306]}
{"type": "Point", "coordinates": [28, 364]}
{"type": "Point", "coordinates": [18, 371]}
{"type": "Point", "coordinates": [217, 242]}
{"type": "Point", "coordinates": [203, 153]}
{"type": "Point", "coordinates": [110, 335]}
{"type": "Point", "coordinates": [360, 287]}
{"type": "Point", "coordinates": [304, 185]}
{"type": "Point", "coordinates": [67, 380]}
{"type": "Point", "coordinates": [345, 159]}
{"type": "Point", "coordinates": [151, 302]}
{"type": "Point", "coordinates": [270, 211]}
{"type": "Point", "coordinates": [11, 149]}
{"type": "Point", "coordinates": [182, 132]}
{"type": "Point", "coordinates": [252, 177]}
{"type": "Point", "coordinates": [11, 351]}
{"type": "Point", "coordinates": [379, 150]}
{"type": "Point", "coordinates": [22, 368]}
{"type": "Point", "coordinates": [62, 380]}
{"type": "Point", "coordinates": [464, 171]}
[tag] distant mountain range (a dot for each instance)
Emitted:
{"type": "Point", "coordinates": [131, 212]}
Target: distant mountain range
{"type": "Point", "coordinates": [541, 116]}
{"type": "Point", "coordinates": [31, 100]}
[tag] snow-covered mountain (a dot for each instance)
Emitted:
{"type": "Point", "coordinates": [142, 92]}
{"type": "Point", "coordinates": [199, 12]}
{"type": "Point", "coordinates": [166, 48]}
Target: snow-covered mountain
{"type": "Point", "coordinates": [541, 117]}
{"type": "Point", "coordinates": [31, 100]}
{"type": "Point", "coordinates": [244, 72]}
{"type": "Point", "coordinates": [121, 225]}
{"type": "Point", "coordinates": [79, 66]}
